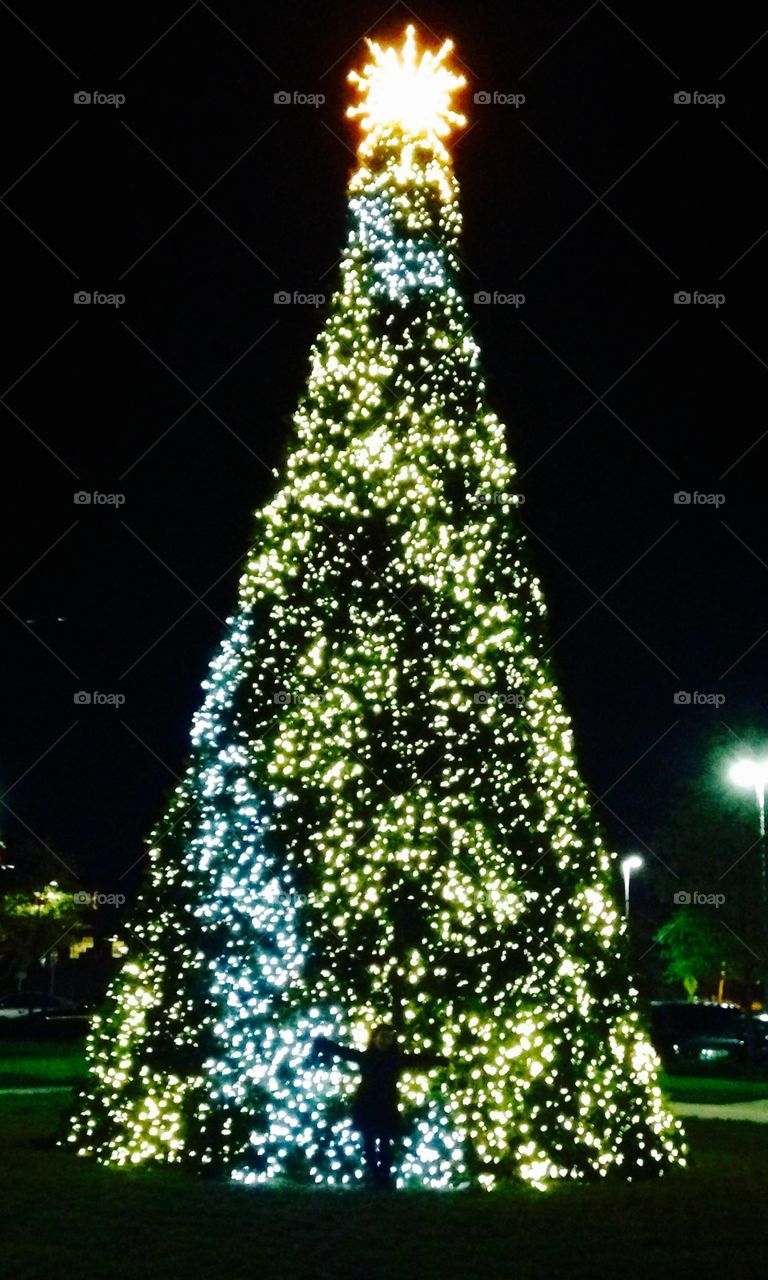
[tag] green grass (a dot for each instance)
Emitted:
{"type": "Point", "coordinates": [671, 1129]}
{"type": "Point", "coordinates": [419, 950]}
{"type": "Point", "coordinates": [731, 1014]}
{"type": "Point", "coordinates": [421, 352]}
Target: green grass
{"type": "Point", "coordinates": [63, 1216]}
{"type": "Point", "coordinates": [34, 1062]}
{"type": "Point", "coordinates": [712, 1090]}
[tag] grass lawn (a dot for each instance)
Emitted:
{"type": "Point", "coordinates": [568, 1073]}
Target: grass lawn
{"type": "Point", "coordinates": [704, 1089]}
{"type": "Point", "coordinates": [64, 1216]}
{"type": "Point", "coordinates": [29, 1062]}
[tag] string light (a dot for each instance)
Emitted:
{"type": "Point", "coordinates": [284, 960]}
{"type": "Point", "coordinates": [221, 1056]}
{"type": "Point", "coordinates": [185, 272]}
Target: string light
{"type": "Point", "coordinates": [382, 817]}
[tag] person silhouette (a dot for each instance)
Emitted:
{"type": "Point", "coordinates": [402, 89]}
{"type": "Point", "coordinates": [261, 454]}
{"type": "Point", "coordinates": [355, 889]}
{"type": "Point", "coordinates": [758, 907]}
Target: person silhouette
{"type": "Point", "coordinates": [375, 1112]}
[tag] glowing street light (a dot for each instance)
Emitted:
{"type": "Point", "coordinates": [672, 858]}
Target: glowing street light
{"type": "Point", "coordinates": [633, 863]}
{"type": "Point", "coordinates": [753, 774]}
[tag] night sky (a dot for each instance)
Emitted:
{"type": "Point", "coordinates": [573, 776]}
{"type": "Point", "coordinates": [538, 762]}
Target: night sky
{"type": "Point", "coordinates": [598, 198]}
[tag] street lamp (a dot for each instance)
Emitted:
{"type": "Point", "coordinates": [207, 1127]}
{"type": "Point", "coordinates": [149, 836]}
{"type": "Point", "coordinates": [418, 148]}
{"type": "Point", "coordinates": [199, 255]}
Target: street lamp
{"type": "Point", "coordinates": [754, 775]}
{"type": "Point", "coordinates": [633, 863]}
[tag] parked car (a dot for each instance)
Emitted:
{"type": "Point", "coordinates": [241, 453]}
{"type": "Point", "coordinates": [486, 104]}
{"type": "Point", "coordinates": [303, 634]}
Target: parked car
{"type": "Point", "coordinates": [693, 1035]}
{"type": "Point", "coordinates": [23, 1004]}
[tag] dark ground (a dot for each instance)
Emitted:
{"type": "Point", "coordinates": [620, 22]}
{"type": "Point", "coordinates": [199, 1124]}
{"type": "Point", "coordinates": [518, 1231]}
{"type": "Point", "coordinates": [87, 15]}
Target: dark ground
{"type": "Point", "coordinates": [60, 1216]}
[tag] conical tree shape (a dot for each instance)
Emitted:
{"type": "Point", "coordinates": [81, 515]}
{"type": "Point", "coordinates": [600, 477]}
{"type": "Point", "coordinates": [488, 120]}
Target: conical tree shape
{"type": "Point", "coordinates": [382, 819]}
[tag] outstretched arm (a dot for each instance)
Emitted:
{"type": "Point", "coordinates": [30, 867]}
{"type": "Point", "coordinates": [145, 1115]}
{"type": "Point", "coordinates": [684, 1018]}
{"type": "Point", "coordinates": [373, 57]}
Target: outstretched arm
{"type": "Point", "coordinates": [424, 1060]}
{"type": "Point", "coordinates": [324, 1048]}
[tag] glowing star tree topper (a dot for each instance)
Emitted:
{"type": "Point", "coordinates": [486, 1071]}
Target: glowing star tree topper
{"type": "Point", "coordinates": [407, 91]}
{"type": "Point", "coordinates": [382, 819]}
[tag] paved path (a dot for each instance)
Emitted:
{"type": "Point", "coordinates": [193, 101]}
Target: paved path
{"type": "Point", "coordinates": [45, 1088]}
{"type": "Point", "coordinates": [756, 1111]}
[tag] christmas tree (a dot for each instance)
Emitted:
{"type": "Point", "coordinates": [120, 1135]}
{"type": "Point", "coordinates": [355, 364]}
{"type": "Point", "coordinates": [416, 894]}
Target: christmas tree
{"type": "Point", "coordinates": [381, 819]}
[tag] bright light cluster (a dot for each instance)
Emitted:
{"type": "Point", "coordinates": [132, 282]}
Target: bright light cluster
{"type": "Point", "coordinates": [382, 817]}
{"type": "Point", "coordinates": [407, 91]}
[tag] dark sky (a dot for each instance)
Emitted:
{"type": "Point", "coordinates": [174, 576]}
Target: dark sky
{"type": "Point", "coordinates": [198, 198]}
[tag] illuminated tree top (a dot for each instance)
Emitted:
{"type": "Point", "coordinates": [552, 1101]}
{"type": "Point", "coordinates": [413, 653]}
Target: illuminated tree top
{"type": "Point", "coordinates": [407, 90]}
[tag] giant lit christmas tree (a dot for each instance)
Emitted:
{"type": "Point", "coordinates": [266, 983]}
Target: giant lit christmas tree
{"type": "Point", "coordinates": [381, 819]}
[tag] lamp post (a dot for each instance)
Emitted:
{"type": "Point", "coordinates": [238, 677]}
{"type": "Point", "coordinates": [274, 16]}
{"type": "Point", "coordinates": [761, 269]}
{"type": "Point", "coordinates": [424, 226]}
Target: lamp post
{"type": "Point", "coordinates": [633, 863]}
{"type": "Point", "coordinates": [753, 775]}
